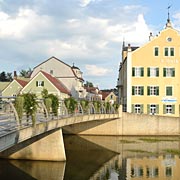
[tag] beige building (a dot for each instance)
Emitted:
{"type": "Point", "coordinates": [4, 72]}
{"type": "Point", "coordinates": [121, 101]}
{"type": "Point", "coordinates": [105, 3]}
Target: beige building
{"type": "Point", "coordinates": [70, 76]}
{"type": "Point", "coordinates": [149, 76]}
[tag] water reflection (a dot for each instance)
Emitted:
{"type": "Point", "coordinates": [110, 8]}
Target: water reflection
{"type": "Point", "coordinates": [104, 158]}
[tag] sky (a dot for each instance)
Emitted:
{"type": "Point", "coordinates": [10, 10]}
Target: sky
{"type": "Point", "coordinates": [88, 33]}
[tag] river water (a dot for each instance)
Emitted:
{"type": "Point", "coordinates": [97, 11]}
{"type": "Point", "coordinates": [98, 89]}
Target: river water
{"type": "Point", "coordinates": [104, 158]}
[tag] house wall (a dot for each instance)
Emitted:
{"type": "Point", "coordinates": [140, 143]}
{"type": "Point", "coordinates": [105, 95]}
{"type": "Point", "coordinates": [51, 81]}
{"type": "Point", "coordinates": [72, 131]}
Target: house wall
{"type": "Point", "coordinates": [31, 87]}
{"type": "Point", "coordinates": [12, 89]}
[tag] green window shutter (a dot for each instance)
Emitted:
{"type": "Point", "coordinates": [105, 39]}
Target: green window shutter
{"type": "Point", "coordinates": [157, 72]}
{"type": "Point", "coordinates": [173, 109]}
{"type": "Point", "coordinates": [164, 72]}
{"type": "Point", "coordinates": [157, 90]}
{"type": "Point", "coordinates": [148, 109]}
{"type": "Point", "coordinates": [133, 90]}
{"type": "Point", "coordinates": [142, 71]}
{"type": "Point", "coordinates": [142, 90]}
{"type": "Point", "coordinates": [133, 71]}
{"type": "Point", "coordinates": [168, 91]}
{"type": "Point", "coordinates": [132, 108]}
{"type": "Point", "coordinates": [142, 108]}
{"type": "Point", "coordinates": [36, 83]}
{"type": "Point", "coordinates": [157, 109]}
{"type": "Point", "coordinates": [148, 72]}
{"type": "Point", "coordinates": [173, 72]}
{"type": "Point", "coordinates": [42, 83]}
{"type": "Point", "coordinates": [164, 109]}
{"type": "Point", "coordinates": [148, 90]}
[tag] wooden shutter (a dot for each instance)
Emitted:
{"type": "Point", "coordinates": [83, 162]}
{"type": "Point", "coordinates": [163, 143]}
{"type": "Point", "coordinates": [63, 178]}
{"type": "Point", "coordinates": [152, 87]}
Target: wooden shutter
{"type": "Point", "coordinates": [133, 71]}
{"type": "Point", "coordinates": [164, 72]}
{"type": "Point", "coordinates": [173, 109]}
{"type": "Point", "coordinates": [148, 71]}
{"type": "Point", "coordinates": [148, 109]}
{"type": "Point", "coordinates": [148, 90]}
{"type": "Point", "coordinates": [173, 72]}
{"type": "Point", "coordinates": [142, 90]}
{"type": "Point", "coordinates": [142, 108]}
{"type": "Point", "coordinates": [132, 108]}
{"type": "Point", "coordinates": [157, 109]}
{"type": "Point", "coordinates": [36, 83]}
{"type": "Point", "coordinates": [157, 90]}
{"type": "Point", "coordinates": [157, 72]}
{"type": "Point", "coordinates": [164, 109]}
{"type": "Point", "coordinates": [133, 90]}
{"type": "Point", "coordinates": [142, 71]}
{"type": "Point", "coordinates": [42, 83]}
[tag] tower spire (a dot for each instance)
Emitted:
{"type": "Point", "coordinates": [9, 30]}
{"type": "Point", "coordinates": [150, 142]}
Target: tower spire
{"type": "Point", "coordinates": [168, 24]}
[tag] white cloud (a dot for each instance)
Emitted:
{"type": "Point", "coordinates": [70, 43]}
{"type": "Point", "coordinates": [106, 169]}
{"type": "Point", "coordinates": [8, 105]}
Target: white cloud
{"type": "Point", "coordinates": [26, 20]}
{"type": "Point", "coordinates": [94, 70]}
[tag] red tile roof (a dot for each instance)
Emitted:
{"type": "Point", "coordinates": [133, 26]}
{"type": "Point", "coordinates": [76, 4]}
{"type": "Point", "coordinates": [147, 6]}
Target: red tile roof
{"type": "Point", "coordinates": [59, 85]}
{"type": "Point", "coordinates": [21, 82]}
{"type": "Point", "coordinates": [105, 94]}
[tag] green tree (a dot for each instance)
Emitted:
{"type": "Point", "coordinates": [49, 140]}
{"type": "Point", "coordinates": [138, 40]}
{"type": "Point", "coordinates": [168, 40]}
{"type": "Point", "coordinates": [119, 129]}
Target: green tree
{"type": "Point", "coordinates": [19, 104]}
{"type": "Point", "coordinates": [30, 106]}
{"type": "Point", "coordinates": [25, 73]}
{"type": "Point", "coordinates": [70, 104]}
{"type": "Point", "coordinates": [84, 104]}
{"type": "Point", "coordinates": [88, 84]}
{"type": "Point", "coordinates": [55, 104]}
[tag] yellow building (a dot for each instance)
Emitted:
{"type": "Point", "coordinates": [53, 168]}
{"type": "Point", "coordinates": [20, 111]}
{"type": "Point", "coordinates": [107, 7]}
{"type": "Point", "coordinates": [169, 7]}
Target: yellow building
{"type": "Point", "coordinates": [149, 76]}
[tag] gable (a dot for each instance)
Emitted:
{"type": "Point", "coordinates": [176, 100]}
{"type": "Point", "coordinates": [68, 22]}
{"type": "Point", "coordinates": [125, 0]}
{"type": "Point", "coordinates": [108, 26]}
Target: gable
{"type": "Point", "coordinates": [54, 67]}
{"type": "Point", "coordinates": [145, 54]}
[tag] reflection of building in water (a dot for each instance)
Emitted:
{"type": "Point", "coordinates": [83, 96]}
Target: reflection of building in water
{"type": "Point", "coordinates": [108, 170]}
{"type": "Point", "coordinates": [163, 168]}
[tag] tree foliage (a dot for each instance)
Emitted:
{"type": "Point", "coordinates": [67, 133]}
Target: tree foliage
{"type": "Point", "coordinates": [5, 77]}
{"type": "Point", "coordinates": [25, 73]}
{"type": "Point", "coordinates": [70, 104]}
{"type": "Point", "coordinates": [19, 104]}
{"type": "Point", "coordinates": [88, 84]}
{"type": "Point", "coordinates": [30, 106]}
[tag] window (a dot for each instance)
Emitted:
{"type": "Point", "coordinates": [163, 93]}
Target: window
{"type": "Point", "coordinates": [153, 90]}
{"type": "Point", "coordinates": [169, 91]}
{"type": "Point", "coordinates": [152, 172]}
{"type": "Point", "coordinates": [168, 171]}
{"type": "Point", "coordinates": [138, 71]}
{"type": "Point", "coordinates": [39, 83]}
{"type": "Point", "coordinates": [153, 109]}
{"type": "Point", "coordinates": [168, 51]}
{"type": "Point", "coordinates": [51, 72]}
{"type": "Point", "coordinates": [137, 90]}
{"type": "Point", "coordinates": [137, 108]}
{"type": "Point", "coordinates": [156, 51]}
{"type": "Point", "coordinates": [169, 72]}
{"type": "Point", "coordinates": [168, 109]}
{"type": "Point", "coordinates": [171, 51]}
{"type": "Point", "coordinates": [152, 72]}
{"type": "Point", "coordinates": [137, 171]}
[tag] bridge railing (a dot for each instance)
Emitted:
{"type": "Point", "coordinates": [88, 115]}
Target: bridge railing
{"type": "Point", "coordinates": [10, 122]}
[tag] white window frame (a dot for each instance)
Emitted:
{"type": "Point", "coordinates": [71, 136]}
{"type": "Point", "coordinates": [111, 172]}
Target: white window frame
{"type": "Point", "coordinates": [153, 109]}
{"type": "Point", "coordinates": [40, 83]}
{"type": "Point", "coordinates": [137, 108]}
{"type": "Point", "coordinates": [169, 109]}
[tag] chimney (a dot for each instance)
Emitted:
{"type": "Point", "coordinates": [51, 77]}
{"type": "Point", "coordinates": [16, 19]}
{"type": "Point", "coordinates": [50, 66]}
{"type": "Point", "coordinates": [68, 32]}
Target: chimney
{"type": "Point", "coordinates": [150, 36]}
{"type": "Point", "coordinates": [129, 47]}
{"type": "Point", "coordinates": [15, 74]}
